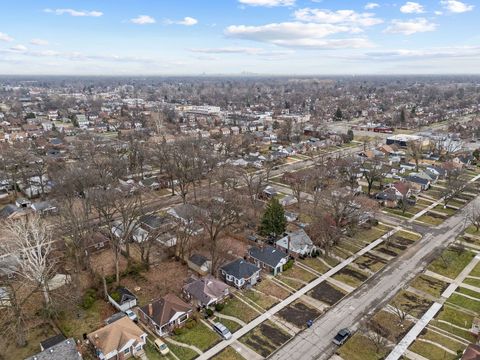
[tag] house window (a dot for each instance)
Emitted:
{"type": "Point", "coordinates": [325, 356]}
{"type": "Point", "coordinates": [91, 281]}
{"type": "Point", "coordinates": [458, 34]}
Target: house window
{"type": "Point", "coordinates": [182, 318]}
{"type": "Point", "coordinates": [138, 348]}
{"type": "Point", "coordinates": [127, 351]}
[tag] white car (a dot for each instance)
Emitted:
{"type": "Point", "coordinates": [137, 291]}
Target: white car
{"type": "Point", "coordinates": [131, 315]}
{"type": "Point", "coordinates": [222, 330]}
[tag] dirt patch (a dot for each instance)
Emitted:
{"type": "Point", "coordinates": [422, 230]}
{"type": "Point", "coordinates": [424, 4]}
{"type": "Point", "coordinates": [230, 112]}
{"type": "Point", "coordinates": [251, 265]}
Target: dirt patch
{"type": "Point", "coordinates": [103, 262]}
{"type": "Point", "coordinates": [298, 314]}
{"type": "Point", "coordinates": [436, 216]}
{"type": "Point", "coordinates": [161, 279]}
{"type": "Point", "coordinates": [369, 261]}
{"type": "Point", "coordinates": [400, 240]}
{"type": "Point", "coordinates": [326, 293]}
{"type": "Point", "coordinates": [265, 339]}
{"type": "Point", "coordinates": [386, 251]}
{"type": "Point", "coordinates": [354, 274]}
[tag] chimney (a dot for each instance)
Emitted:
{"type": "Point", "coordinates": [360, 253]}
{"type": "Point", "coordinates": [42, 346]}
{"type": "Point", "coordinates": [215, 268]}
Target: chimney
{"type": "Point", "coordinates": [150, 309]}
{"type": "Point", "coordinates": [288, 244]}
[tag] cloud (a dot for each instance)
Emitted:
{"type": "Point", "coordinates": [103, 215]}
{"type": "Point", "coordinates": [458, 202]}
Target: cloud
{"type": "Point", "coordinates": [433, 53]}
{"type": "Point", "coordinates": [5, 37]}
{"type": "Point", "coordinates": [143, 20]}
{"type": "Point", "coordinates": [73, 12]}
{"type": "Point", "coordinates": [410, 27]}
{"type": "Point", "coordinates": [240, 50]}
{"type": "Point", "coordinates": [39, 42]}
{"type": "Point", "coordinates": [298, 34]}
{"type": "Point", "coordinates": [186, 21]}
{"type": "Point", "coordinates": [267, 3]}
{"type": "Point", "coordinates": [456, 6]}
{"type": "Point", "coordinates": [18, 48]}
{"type": "Point", "coordinates": [412, 8]}
{"type": "Point", "coordinates": [438, 12]}
{"type": "Point", "coordinates": [371, 5]}
{"type": "Point", "coordinates": [347, 17]}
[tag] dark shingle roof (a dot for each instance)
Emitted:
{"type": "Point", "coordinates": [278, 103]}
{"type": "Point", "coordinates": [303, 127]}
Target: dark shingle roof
{"type": "Point", "coordinates": [54, 340]}
{"type": "Point", "coordinates": [268, 255]}
{"type": "Point", "coordinates": [66, 350]}
{"type": "Point", "coordinates": [240, 269]}
{"type": "Point", "coordinates": [197, 259]}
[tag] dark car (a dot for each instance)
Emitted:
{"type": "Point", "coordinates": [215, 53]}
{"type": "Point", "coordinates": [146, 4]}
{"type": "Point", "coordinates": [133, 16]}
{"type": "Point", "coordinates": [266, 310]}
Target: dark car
{"type": "Point", "coordinates": [341, 337]}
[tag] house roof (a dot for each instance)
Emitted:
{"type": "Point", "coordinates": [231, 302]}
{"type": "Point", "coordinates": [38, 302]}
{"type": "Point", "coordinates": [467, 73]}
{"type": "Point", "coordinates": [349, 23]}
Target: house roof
{"type": "Point", "coordinates": [417, 179]}
{"type": "Point", "coordinates": [154, 221]}
{"type": "Point", "coordinates": [206, 289]}
{"type": "Point", "coordinates": [116, 335]}
{"type": "Point", "coordinates": [240, 269]}
{"type": "Point", "coordinates": [8, 210]}
{"type": "Point", "coordinates": [184, 211]}
{"type": "Point", "coordinates": [298, 240]}
{"type": "Point", "coordinates": [197, 259]}
{"type": "Point", "coordinates": [162, 310]}
{"type": "Point", "coordinates": [54, 340]}
{"type": "Point", "coordinates": [401, 187]}
{"type": "Point", "coordinates": [472, 352]}
{"type": "Point", "coordinates": [268, 255]}
{"type": "Point", "coordinates": [65, 350]}
{"type": "Point", "coordinates": [125, 295]}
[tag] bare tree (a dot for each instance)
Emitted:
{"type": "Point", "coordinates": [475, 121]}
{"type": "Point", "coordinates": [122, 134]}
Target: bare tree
{"type": "Point", "coordinates": [31, 245]}
{"type": "Point", "coordinates": [255, 184]}
{"type": "Point", "coordinates": [473, 215]}
{"type": "Point", "coordinates": [375, 334]}
{"type": "Point", "coordinates": [297, 181]}
{"type": "Point", "coordinates": [414, 150]}
{"type": "Point", "coordinates": [454, 185]}
{"type": "Point", "coordinates": [399, 313]}
{"type": "Point", "coordinates": [373, 171]}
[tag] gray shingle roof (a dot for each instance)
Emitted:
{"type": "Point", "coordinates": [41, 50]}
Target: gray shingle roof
{"type": "Point", "coordinates": [66, 350]}
{"type": "Point", "coordinates": [240, 269]}
{"type": "Point", "coordinates": [268, 255]}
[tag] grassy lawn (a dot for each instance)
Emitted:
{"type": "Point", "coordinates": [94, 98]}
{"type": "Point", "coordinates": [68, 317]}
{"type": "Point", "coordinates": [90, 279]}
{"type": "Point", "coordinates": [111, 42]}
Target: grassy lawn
{"type": "Point", "coordinates": [350, 276]}
{"type": "Point", "coordinates": [407, 235]}
{"type": "Point", "coordinates": [429, 285]}
{"type": "Point", "coordinates": [181, 352]}
{"type": "Point", "coordinates": [262, 300]}
{"type": "Point", "coordinates": [473, 282]}
{"type": "Point", "coordinates": [236, 308]}
{"type": "Point", "coordinates": [265, 338]}
{"type": "Point", "coordinates": [371, 262]}
{"type": "Point", "coordinates": [390, 324]}
{"type": "Point", "coordinates": [442, 340]}
{"type": "Point", "coordinates": [295, 284]}
{"type": "Point", "coordinates": [451, 263]}
{"type": "Point", "coordinates": [360, 348]}
{"type": "Point", "coordinates": [475, 271]}
{"type": "Point", "coordinates": [330, 260]}
{"type": "Point", "coordinates": [431, 220]}
{"type": "Point", "coordinates": [200, 336]}
{"type": "Point", "coordinates": [267, 286]}
{"type": "Point", "coordinates": [447, 211]}
{"type": "Point", "coordinates": [472, 230]}
{"type": "Point", "coordinates": [455, 317]}
{"type": "Point", "coordinates": [467, 335]}
{"type": "Point", "coordinates": [468, 292]}
{"type": "Point", "coordinates": [315, 264]}
{"type": "Point", "coordinates": [466, 303]}
{"type": "Point", "coordinates": [299, 273]}
{"type": "Point", "coordinates": [88, 321]}
{"type": "Point", "coordinates": [372, 234]}
{"type": "Point", "coordinates": [411, 303]}
{"type": "Point", "coordinates": [228, 353]}
{"type": "Point", "coordinates": [430, 351]}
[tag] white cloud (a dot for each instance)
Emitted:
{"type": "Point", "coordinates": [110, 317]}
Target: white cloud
{"type": "Point", "coordinates": [349, 17]}
{"type": "Point", "coordinates": [5, 37]}
{"type": "Point", "coordinates": [188, 21]}
{"type": "Point", "coordinates": [298, 34]}
{"type": "Point", "coordinates": [143, 20]}
{"type": "Point", "coordinates": [19, 48]}
{"type": "Point", "coordinates": [267, 3]}
{"type": "Point", "coordinates": [438, 12]}
{"type": "Point", "coordinates": [73, 12]}
{"type": "Point", "coordinates": [371, 5]}
{"type": "Point", "coordinates": [456, 6]}
{"type": "Point", "coordinates": [433, 53]}
{"type": "Point", "coordinates": [39, 42]}
{"type": "Point", "coordinates": [240, 50]}
{"type": "Point", "coordinates": [412, 8]}
{"type": "Point", "coordinates": [409, 27]}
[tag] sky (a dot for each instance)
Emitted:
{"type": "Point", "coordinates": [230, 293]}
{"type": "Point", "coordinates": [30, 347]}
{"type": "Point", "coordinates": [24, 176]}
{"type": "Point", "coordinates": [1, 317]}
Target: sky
{"type": "Point", "coordinates": [274, 37]}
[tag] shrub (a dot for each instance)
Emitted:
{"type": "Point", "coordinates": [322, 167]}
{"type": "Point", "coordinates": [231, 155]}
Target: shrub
{"type": "Point", "coordinates": [208, 312]}
{"type": "Point", "coordinates": [219, 307]}
{"type": "Point", "coordinates": [288, 265]}
{"type": "Point", "coordinates": [178, 331]}
{"type": "Point", "coordinates": [190, 324]}
{"type": "Point", "coordinates": [89, 298]}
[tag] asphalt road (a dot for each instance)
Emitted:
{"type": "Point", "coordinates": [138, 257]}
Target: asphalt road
{"type": "Point", "coordinates": [316, 342]}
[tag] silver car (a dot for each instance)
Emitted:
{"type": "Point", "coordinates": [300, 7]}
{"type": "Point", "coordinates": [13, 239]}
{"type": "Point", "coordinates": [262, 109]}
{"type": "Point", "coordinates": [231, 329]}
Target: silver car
{"type": "Point", "coordinates": [222, 330]}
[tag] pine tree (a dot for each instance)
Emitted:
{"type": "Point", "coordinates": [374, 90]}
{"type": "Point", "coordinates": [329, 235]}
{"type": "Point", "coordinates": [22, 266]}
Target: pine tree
{"type": "Point", "coordinates": [273, 220]}
{"type": "Point", "coordinates": [338, 115]}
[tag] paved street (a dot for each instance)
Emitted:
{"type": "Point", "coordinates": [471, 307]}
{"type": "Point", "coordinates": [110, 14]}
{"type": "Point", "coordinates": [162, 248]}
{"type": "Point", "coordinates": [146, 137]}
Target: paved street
{"type": "Point", "coordinates": [315, 342]}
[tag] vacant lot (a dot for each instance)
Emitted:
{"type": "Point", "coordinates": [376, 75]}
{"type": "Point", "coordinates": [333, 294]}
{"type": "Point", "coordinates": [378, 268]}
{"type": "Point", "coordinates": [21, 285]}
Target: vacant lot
{"type": "Point", "coordinates": [390, 325]}
{"type": "Point", "coordinates": [451, 262]}
{"type": "Point", "coordinates": [327, 293]}
{"type": "Point", "coordinates": [360, 348]}
{"type": "Point", "coordinates": [411, 303]}
{"type": "Point", "coordinates": [228, 353]}
{"type": "Point", "coordinates": [265, 338]}
{"type": "Point", "coordinates": [298, 314]}
{"type": "Point", "coordinates": [350, 276]}
{"type": "Point", "coordinates": [429, 285]}
{"type": "Point", "coordinates": [236, 308]}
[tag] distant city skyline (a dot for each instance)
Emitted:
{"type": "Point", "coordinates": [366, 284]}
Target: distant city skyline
{"type": "Point", "coordinates": [275, 37]}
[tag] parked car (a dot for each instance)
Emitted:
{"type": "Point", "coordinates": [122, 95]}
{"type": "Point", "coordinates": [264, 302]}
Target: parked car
{"type": "Point", "coordinates": [341, 337]}
{"type": "Point", "coordinates": [161, 347]}
{"type": "Point", "coordinates": [222, 330]}
{"type": "Point", "coordinates": [131, 315]}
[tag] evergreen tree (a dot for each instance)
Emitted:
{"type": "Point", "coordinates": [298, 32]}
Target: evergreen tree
{"type": "Point", "coordinates": [350, 135]}
{"type": "Point", "coordinates": [338, 115]}
{"type": "Point", "coordinates": [403, 116]}
{"type": "Point", "coordinates": [273, 220]}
